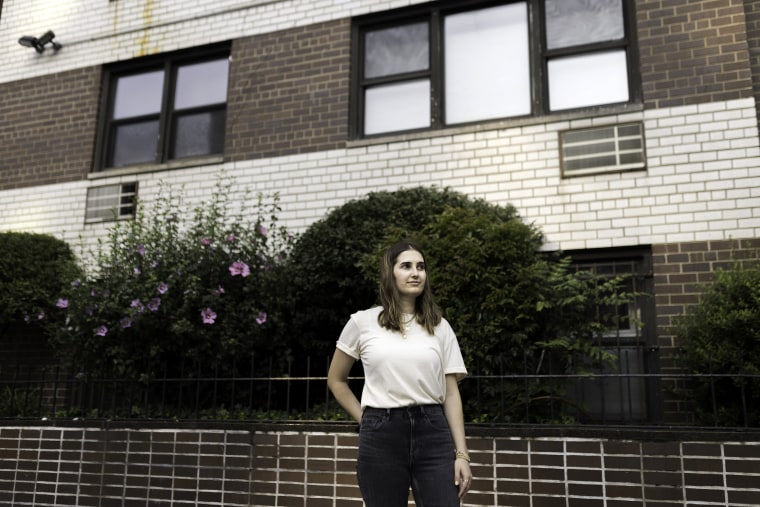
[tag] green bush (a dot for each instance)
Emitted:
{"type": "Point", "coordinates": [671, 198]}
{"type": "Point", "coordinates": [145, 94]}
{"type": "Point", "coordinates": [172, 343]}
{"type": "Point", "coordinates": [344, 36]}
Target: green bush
{"type": "Point", "coordinates": [516, 311]}
{"type": "Point", "coordinates": [32, 268]}
{"type": "Point", "coordinates": [326, 284]}
{"type": "Point", "coordinates": [166, 296]}
{"type": "Point", "coordinates": [721, 336]}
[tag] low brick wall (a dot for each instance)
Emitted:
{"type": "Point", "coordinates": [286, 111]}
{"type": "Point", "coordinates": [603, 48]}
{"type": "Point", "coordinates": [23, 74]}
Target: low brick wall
{"type": "Point", "coordinates": [230, 465]}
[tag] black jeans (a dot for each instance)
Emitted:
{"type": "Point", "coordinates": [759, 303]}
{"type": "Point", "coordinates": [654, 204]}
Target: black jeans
{"type": "Point", "coordinates": [403, 447]}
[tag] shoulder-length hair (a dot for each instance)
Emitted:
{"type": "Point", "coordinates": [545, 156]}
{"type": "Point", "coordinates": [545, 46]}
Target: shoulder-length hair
{"type": "Point", "coordinates": [426, 312]}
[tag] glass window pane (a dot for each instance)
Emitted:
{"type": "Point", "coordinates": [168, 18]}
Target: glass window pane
{"type": "Point", "coordinates": [574, 22]}
{"type": "Point", "coordinates": [199, 134]}
{"type": "Point", "coordinates": [201, 84]}
{"type": "Point", "coordinates": [138, 94]}
{"type": "Point", "coordinates": [395, 107]}
{"type": "Point", "coordinates": [396, 50]}
{"type": "Point", "coordinates": [588, 80]}
{"type": "Point", "coordinates": [135, 143]}
{"type": "Point", "coordinates": [487, 64]}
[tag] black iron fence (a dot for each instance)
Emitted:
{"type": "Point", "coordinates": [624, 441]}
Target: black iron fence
{"type": "Point", "coordinates": [713, 399]}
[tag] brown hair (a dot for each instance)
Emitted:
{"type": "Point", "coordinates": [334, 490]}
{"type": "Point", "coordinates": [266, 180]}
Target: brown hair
{"type": "Point", "coordinates": [426, 311]}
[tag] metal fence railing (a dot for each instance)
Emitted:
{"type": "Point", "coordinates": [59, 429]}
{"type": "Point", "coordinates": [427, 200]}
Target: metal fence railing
{"type": "Point", "coordinates": [715, 400]}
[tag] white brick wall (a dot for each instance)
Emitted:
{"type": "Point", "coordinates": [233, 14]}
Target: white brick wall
{"type": "Point", "coordinates": [702, 181]}
{"type": "Point", "coordinates": [94, 32]}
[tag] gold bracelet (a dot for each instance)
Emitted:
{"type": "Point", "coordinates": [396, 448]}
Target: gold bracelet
{"type": "Point", "coordinates": [462, 455]}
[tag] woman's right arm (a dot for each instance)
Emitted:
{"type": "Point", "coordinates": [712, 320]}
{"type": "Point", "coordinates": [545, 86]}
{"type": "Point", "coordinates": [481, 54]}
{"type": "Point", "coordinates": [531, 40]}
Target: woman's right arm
{"type": "Point", "coordinates": [337, 381]}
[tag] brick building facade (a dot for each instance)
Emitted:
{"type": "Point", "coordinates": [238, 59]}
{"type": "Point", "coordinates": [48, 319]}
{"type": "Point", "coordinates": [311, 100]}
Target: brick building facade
{"type": "Point", "coordinates": [297, 118]}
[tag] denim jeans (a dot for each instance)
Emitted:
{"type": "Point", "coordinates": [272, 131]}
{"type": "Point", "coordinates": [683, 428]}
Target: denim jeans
{"type": "Point", "coordinates": [403, 447]}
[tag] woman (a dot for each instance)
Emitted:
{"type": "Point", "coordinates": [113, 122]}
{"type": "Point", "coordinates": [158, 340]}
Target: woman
{"type": "Point", "coordinates": [411, 425]}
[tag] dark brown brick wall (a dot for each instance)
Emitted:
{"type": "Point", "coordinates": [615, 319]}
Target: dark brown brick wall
{"type": "Point", "coordinates": [752, 15]}
{"type": "Point", "coordinates": [47, 127]}
{"type": "Point", "coordinates": [289, 92]}
{"type": "Point", "coordinates": [680, 272]}
{"type": "Point", "coordinates": [298, 467]}
{"type": "Point", "coordinates": [693, 51]}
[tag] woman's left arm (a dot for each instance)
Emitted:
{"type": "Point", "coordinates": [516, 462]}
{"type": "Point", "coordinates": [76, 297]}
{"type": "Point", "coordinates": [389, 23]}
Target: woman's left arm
{"type": "Point", "coordinates": [452, 406]}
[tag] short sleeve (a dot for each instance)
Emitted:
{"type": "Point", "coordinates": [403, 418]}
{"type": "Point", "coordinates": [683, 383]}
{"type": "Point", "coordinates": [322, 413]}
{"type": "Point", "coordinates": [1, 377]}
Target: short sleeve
{"type": "Point", "coordinates": [452, 355]}
{"type": "Point", "coordinates": [348, 341]}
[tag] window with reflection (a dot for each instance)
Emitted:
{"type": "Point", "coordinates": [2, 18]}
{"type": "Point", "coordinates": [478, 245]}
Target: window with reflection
{"type": "Point", "coordinates": [586, 53]}
{"type": "Point", "coordinates": [459, 62]}
{"type": "Point", "coordinates": [165, 108]}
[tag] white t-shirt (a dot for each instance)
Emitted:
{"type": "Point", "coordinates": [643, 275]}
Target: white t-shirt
{"type": "Point", "coordinates": [401, 371]}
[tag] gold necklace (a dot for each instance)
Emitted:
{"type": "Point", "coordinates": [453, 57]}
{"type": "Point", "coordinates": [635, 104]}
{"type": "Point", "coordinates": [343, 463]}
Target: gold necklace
{"type": "Point", "coordinates": [405, 325]}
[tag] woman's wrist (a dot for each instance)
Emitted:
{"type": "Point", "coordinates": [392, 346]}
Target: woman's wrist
{"type": "Point", "coordinates": [462, 455]}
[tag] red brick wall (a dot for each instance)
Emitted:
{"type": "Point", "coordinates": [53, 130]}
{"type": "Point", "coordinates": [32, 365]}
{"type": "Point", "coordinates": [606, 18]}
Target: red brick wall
{"type": "Point", "coordinates": [692, 51]}
{"type": "Point", "coordinates": [314, 467]}
{"type": "Point", "coordinates": [47, 127]}
{"type": "Point", "coordinates": [289, 92]}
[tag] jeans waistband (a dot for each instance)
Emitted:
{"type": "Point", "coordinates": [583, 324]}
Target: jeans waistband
{"type": "Point", "coordinates": [409, 409]}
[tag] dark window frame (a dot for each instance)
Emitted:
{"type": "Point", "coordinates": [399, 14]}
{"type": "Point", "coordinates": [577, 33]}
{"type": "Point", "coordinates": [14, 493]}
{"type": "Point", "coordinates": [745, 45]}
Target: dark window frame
{"type": "Point", "coordinates": [168, 62]}
{"type": "Point", "coordinates": [435, 14]}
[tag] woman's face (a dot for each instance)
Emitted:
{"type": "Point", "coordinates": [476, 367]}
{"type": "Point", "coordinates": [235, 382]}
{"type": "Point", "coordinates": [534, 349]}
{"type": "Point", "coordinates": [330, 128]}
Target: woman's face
{"type": "Point", "coordinates": [409, 273]}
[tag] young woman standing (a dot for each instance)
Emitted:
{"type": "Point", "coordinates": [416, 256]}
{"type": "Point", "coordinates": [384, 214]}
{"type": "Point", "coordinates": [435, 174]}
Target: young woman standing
{"type": "Point", "coordinates": [411, 424]}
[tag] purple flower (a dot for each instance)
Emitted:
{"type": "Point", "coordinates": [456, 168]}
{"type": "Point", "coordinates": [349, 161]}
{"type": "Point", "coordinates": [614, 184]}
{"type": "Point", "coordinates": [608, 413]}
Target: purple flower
{"type": "Point", "coordinates": [153, 304]}
{"type": "Point", "coordinates": [231, 238]}
{"type": "Point", "coordinates": [41, 315]}
{"type": "Point", "coordinates": [76, 283]}
{"type": "Point", "coordinates": [93, 293]}
{"type": "Point", "coordinates": [261, 318]}
{"type": "Point", "coordinates": [262, 230]}
{"type": "Point", "coordinates": [208, 315]}
{"type": "Point", "coordinates": [125, 322]}
{"type": "Point", "coordinates": [137, 305]}
{"type": "Point", "coordinates": [101, 331]}
{"type": "Point", "coordinates": [162, 288]}
{"type": "Point", "coordinates": [62, 303]}
{"type": "Point", "coordinates": [219, 290]}
{"type": "Point", "coordinates": [136, 271]}
{"type": "Point", "coordinates": [205, 242]}
{"type": "Point", "coordinates": [27, 318]}
{"type": "Point", "coordinates": [140, 249]}
{"type": "Point", "coordinates": [239, 268]}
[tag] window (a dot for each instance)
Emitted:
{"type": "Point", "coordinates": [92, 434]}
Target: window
{"type": "Point", "coordinates": [602, 149]}
{"type": "Point", "coordinates": [624, 393]}
{"type": "Point", "coordinates": [586, 57]}
{"type": "Point", "coordinates": [165, 108]}
{"type": "Point", "coordinates": [460, 62]}
{"type": "Point", "coordinates": [111, 202]}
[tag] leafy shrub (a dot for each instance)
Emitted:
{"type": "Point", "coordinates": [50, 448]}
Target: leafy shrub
{"type": "Point", "coordinates": [325, 281]}
{"type": "Point", "coordinates": [32, 267]}
{"type": "Point", "coordinates": [721, 336]}
{"type": "Point", "coordinates": [165, 296]}
{"type": "Point", "coordinates": [515, 310]}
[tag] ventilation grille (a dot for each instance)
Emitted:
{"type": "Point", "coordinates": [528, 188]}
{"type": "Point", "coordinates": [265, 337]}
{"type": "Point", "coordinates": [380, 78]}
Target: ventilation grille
{"type": "Point", "coordinates": [112, 202]}
{"type": "Point", "coordinates": [602, 149]}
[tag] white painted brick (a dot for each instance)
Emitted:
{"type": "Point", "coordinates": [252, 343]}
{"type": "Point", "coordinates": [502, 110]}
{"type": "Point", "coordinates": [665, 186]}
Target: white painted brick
{"type": "Point", "coordinates": [702, 159]}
